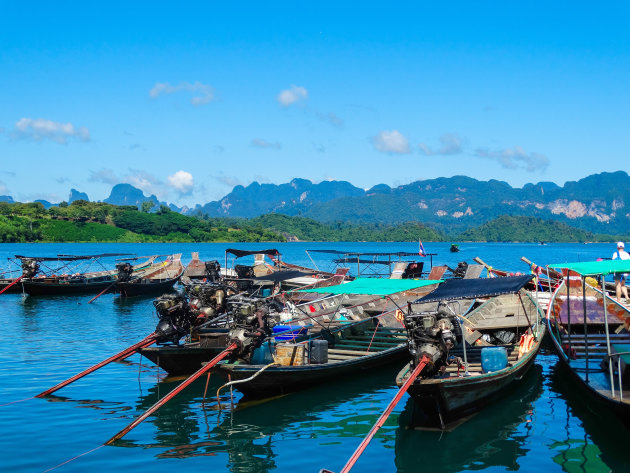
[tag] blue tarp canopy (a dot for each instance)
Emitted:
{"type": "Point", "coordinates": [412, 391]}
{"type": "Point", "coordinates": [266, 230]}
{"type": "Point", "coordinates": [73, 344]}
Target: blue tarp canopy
{"type": "Point", "coordinates": [472, 288]}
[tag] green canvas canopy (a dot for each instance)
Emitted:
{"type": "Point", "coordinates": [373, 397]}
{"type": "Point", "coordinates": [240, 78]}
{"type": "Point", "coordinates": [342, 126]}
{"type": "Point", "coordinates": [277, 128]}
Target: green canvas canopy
{"type": "Point", "coordinates": [594, 268]}
{"type": "Point", "coordinates": [374, 286]}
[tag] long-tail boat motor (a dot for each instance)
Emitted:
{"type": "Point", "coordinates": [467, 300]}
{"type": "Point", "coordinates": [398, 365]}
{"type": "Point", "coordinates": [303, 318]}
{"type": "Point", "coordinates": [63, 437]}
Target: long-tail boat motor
{"type": "Point", "coordinates": [209, 299]}
{"type": "Point", "coordinates": [30, 267]}
{"type": "Point", "coordinates": [431, 334]}
{"type": "Point", "coordinates": [125, 270]}
{"type": "Point", "coordinates": [251, 325]}
{"type": "Point", "coordinates": [176, 318]}
{"type": "Point", "coordinates": [213, 271]}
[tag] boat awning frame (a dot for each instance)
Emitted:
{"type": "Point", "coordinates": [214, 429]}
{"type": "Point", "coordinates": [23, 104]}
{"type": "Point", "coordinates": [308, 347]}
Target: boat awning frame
{"type": "Point", "coordinates": [241, 253]}
{"type": "Point", "coordinates": [374, 286]}
{"type": "Point", "coordinates": [454, 289]}
{"type": "Point", "coordinates": [595, 268]}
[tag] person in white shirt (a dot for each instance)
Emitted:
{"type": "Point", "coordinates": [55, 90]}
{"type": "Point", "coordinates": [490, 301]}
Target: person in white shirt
{"type": "Point", "coordinates": [620, 279]}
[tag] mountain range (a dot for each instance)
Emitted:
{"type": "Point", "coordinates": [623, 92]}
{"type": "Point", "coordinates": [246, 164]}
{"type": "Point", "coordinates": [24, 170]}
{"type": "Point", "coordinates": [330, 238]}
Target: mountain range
{"type": "Point", "coordinates": [596, 203]}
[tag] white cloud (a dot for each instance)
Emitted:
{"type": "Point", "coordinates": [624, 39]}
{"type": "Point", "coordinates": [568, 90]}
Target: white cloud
{"type": "Point", "coordinates": [516, 158]}
{"type": "Point", "coordinates": [40, 129]}
{"type": "Point", "coordinates": [450, 144]}
{"type": "Point", "coordinates": [260, 143]}
{"type": "Point", "coordinates": [391, 142]}
{"type": "Point", "coordinates": [3, 188]}
{"type": "Point", "coordinates": [202, 93]}
{"type": "Point", "coordinates": [145, 181]}
{"type": "Point", "coordinates": [292, 95]}
{"type": "Point", "coordinates": [182, 182]}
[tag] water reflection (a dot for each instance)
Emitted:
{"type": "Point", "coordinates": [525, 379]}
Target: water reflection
{"type": "Point", "coordinates": [496, 436]}
{"type": "Point", "coordinates": [251, 433]}
{"type": "Point", "coordinates": [593, 443]}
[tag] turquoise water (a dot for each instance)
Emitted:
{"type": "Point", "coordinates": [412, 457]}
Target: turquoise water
{"type": "Point", "coordinates": [543, 423]}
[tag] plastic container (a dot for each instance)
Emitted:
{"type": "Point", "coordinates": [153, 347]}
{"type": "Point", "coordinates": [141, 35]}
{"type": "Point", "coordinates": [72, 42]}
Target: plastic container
{"type": "Point", "coordinates": [318, 352]}
{"type": "Point", "coordinates": [291, 332]}
{"type": "Point", "coordinates": [493, 359]}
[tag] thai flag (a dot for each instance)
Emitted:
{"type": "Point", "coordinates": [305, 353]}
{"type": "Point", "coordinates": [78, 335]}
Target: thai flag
{"type": "Point", "coordinates": [421, 251]}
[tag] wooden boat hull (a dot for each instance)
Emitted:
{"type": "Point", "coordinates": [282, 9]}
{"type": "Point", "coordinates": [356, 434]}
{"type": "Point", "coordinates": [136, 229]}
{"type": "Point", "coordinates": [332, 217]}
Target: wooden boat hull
{"type": "Point", "coordinates": [460, 396]}
{"type": "Point", "coordinates": [56, 287]}
{"type": "Point", "coordinates": [188, 358]}
{"type": "Point", "coordinates": [181, 360]}
{"type": "Point", "coordinates": [278, 380]}
{"type": "Point", "coordinates": [15, 289]}
{"type": "Point", "coordinates": [145, 287]}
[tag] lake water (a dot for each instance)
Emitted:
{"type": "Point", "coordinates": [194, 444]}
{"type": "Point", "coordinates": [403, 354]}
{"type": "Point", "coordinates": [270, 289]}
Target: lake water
{"type": "Point", "coordinates": [543, 424]}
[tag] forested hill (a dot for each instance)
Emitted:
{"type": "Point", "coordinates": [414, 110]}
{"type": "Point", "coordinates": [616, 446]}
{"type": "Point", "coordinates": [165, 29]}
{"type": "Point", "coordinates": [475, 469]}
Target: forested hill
{"type": "Point", "coordinates": [528, 229]}
{"type": "Point", "coordinates": [451, 205]}
{"type": "Point", "coordinates": [84, 221]}
{"type": "Point", "coordinates": [102, 222]}
{"type": "Point", "coordinates": [596, 203]}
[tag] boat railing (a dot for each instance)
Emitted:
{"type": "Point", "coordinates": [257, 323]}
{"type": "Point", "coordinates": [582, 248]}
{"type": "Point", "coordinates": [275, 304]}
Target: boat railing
{"type": "Point", "coordinates": [611, 357]}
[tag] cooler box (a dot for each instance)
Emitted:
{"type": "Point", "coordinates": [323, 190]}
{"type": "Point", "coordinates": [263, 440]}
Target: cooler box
{"type": "Point", "coordinates": [290, 354]}
{"type": "Point", "coordinates": [291, 332]}
{"type": "Point", "coordinates": [493, 359]}
{"type": "Point", "coordinates": [318, 352]}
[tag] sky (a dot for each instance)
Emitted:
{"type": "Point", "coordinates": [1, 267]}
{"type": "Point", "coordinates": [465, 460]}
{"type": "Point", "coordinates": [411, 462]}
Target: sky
{"type": "Point", "coordinates": [187, 101]}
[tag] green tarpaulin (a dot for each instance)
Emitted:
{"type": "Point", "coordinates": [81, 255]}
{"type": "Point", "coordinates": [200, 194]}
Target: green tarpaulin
{"type": "Point", "coordinates": [374, 286]}
{"type": "Point", "coordinates": [593, 268]}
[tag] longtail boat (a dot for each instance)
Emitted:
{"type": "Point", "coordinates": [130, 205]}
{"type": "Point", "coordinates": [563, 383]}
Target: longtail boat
{"type": "Point", "coordinates": [475, 354]}
{"type": "Point", "coordinates": [65, 274]}
{"type": "Point", "coordinates": [339, 350]}
{"type": "Point", "coordinates": [589, 332]}
{"type": "Point", "coordinates": [381, 264]}
{"type": "Point", "coordinates": [155, 279]}
{"type": "Point", "coordinates": [334, 306]}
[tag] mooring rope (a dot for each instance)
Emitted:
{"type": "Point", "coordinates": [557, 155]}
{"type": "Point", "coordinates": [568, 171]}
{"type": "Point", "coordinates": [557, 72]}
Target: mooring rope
{"type": "Point", "coordinates": [232, 383]}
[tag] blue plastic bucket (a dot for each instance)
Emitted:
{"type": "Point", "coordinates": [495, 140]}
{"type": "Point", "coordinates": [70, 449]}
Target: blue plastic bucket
{"type": "Point", "coordinates": [291, 332]}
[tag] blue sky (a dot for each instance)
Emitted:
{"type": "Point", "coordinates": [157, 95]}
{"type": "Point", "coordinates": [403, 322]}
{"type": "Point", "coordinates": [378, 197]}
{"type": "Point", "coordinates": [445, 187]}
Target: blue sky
{"type": "Point", "coordinates": [187, 101]}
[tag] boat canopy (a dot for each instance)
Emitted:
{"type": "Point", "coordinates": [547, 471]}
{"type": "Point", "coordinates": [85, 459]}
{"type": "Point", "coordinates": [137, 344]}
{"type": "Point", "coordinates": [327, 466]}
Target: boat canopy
{"type": "Point", "coordinates": [282, 276]}
{"type": "Point", "coordinates": [241, 253]}
{"type": "Point", "coordinates": [595, 268]}
{"type": "Point", "coordinates": [374, 286]}
{"type": "Point", "coordinates": [472, 288]}
{"type": "Point", "coordinates": [354, 253]}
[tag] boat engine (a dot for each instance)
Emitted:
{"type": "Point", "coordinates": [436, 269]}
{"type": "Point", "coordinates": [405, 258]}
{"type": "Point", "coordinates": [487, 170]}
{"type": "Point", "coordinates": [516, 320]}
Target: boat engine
{"type": "Point", "coordinates": [208, 299]}
{"type": "Point", "coordinates": [252, 325]}
{"type": "Point", "coordinates": [125, 271]}
{"type": "Point", "coordinates": [431, 334]}
{"type": "Point", "coordinates": [213, 271]}
{"type": "Point", "coordinates": [30, 267]}
{"type": "Point", "coordinates": [176, 317]}
{"type": "Point", "coordinates": [460, 271]}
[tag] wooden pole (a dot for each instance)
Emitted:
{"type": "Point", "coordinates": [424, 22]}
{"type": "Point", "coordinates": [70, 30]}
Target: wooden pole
{"type": "Point", "coordinates": [173, 393]}
{"type": "Point", "coordinates": [16, 280]}
{"type": "Point", "coordinates": [102, 292]}
{"type": "Point", "coordinates": [381, 420]}
{"type": "Point", "coordinates": [145, 342]}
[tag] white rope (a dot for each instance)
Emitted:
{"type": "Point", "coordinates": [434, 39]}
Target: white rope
{"type": "Point", "coordinates": [232, 383]}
